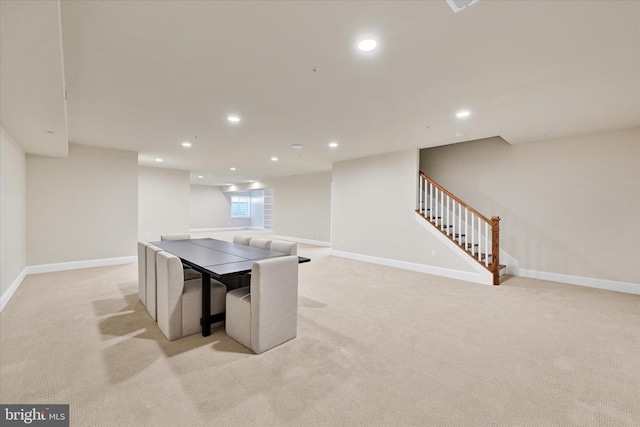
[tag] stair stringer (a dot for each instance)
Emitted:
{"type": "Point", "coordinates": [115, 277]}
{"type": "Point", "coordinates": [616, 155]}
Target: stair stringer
{"type": "Point", "coordinates": [484, 276]}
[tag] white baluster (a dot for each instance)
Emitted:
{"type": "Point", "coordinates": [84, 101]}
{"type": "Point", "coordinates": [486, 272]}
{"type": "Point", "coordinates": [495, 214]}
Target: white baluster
{"type": "Point", "coordinates": [441, 206]}
{"type": "Point", "coordinates": [453, 217]}
{"type": "Point", "coordinates": [466, 228]}
{"type": "Point", "coordinates": [431, 203]}
{"type": "Point", "coordinates": [421, 196]}
{"type": "Point", "coordinates": [459, 223]}
{"type": "Point", "coordinates": [479, 242]}
{"type": "Point", "coordinates": [445, 227]}
{"type": "Point", "coordinates": [472, 233]}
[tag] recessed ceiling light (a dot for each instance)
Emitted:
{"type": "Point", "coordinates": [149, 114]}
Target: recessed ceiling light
{"type": "Point", "coordinates": [297, 146]}
{"type": "Point", "coordinates": [200, 176]}
{"type": "Point", "coordinates": [159, 160]}
{"type": "Point", "coordinates": [232, 169]}
{"type": "Point", "coordinates": [458, 5]}
{"type": "Point", "coordinates": [461, 133]}
{"type": "Point", "coordinates": [274, 159]}
{"type": "Point", "coordinates": [186, 144]}
{"type": "Point", "coordinates": [367, 45]}
{"type": "Point", "coordinates": [463, 113]}
{"type": "Point", "coordinates": [333, 144]}
{"type": "Point", "coordinates": [233, 118]}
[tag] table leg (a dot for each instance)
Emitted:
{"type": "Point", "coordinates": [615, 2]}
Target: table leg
{"type": "Point", "coordinates": [206, 304]}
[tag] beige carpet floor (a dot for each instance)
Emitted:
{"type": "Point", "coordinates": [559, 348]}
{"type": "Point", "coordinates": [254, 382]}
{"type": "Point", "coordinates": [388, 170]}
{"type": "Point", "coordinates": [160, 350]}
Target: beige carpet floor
{"type": "Point", "coordinates": [376, 346]}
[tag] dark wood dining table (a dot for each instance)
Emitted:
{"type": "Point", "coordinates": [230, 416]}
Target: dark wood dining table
{"type": "Point", "coordinates": [216, 259]}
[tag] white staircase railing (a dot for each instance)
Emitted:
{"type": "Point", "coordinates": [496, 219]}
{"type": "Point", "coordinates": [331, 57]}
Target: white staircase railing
{"type": "Point", "coordinates": [472, 231]}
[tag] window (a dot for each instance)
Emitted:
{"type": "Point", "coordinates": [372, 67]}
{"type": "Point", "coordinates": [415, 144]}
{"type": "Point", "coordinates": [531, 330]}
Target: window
{"type": "Point", "coordinates": [240, 207]}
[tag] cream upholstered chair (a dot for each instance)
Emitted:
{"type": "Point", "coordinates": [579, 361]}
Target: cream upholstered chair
{"type": "Point", "coordinates": [290, 248]}
{"type": "Point", "coordinates": [242, 240]}
{"type": "Point", "coordinates": [180, 301]}
{"type": "Point", "coordinates": [260, 243]}
{"type": "Point", "coordinates": [142, 272]}
{"type": "Point", "coordinates": [189, 273]}
{"type": "Point", "coordinates": [175, 237]}
{"type": "Point", "coordinates": [152, 252]}
{"type": "Point", "coordinates": [265, 314]}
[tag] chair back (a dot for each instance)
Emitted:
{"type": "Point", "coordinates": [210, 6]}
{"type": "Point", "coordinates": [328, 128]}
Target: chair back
{"type": "Point", "coordinates": [274, 302]}
{"type": "Point", "coordinates": [142, 272]}
{"type": "Point", "coordinates": [152, 251]}
{"type": "Point", "coordinates": [170, 278]}
{"type": "Point", "coordinates": [242, 240]}
{"type": "Point", "coordinates": [175, 237]}
{"type": "Point", "coordinates": [260, 243]}
{"type": "Point", "coordinates": [289, 248]}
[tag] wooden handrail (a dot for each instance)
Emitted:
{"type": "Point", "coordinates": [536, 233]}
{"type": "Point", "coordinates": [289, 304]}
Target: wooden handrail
{"type": "Point", "coordinates": [466, 205]}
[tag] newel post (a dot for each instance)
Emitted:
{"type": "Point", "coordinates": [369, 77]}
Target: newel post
{"type": "Point", "coordinates": [495, 249]}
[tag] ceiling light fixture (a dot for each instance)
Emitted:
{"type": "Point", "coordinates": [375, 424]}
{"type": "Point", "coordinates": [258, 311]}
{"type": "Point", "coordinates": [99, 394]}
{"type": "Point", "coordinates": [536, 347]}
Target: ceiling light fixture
{"type": "Point", "coordinates": [233, 118]}
{"type": "Point", "coordinates": [297, 146]}
{"type": "Point", "coordinates": [333, 144]}
{"type": "Point", "coordinates": [463, 114]}
{"type": "Point", "coordinates": [232, 169]}
{"type": "Point", "coordinates": [186, 144]}
{"type": "Point", "coordinates": [200, 176]}
{"type": "Point", "coordinates": [159, 160]}
{"type": "Point", "coordinates": [367, 45]}
{"type": "Point", "coordinates": [274, 159]}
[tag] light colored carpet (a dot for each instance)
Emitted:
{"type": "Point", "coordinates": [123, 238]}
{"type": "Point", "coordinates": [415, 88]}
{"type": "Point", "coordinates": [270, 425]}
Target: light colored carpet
{"type": "Point", "coordinates": [376, 346]}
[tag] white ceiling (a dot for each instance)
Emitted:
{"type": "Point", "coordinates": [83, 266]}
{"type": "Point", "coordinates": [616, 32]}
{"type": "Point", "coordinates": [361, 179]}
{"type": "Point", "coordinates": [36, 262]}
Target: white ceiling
{"type": "Point", "coordinates": [146, 75]}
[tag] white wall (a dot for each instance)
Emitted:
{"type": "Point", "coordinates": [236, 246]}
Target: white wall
{"type": "Point", "coordinates": [302, 207]}
{"type": "Point", "coordinates": [257, 208]}
{"type": "Point", "coordinates": [13, 254]}
{"type": "Point", "coordinates": [83, 207]}
{"type": "Point", "coordinates": [210, 208]}
{"type": "Point", "coordinates": [163, 202]}
{"type": "Point", "coordinates": [373, 212]}
{"type": "Point", "coordinates": [567, 206]}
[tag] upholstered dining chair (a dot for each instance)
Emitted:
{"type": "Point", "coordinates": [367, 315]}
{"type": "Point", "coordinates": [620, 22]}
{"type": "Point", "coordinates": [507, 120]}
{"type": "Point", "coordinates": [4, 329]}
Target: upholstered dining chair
{"type": "Point", "coordinates": [189, 273]}
{"type": "Point", "coordinates": [142, 272]}
{"type": "Point", "coordinates": [175, 236]}
{"type": "Point", "coordinates": [290, 248]}
{"type": "Point", "coordinates": [260, 243]}
{"type": "Point", "coordinates": [265, 314]}
{"type": "Point", "coordinates": [152, 252]}
{"type": "Point", "coordinates": [180, 300]}
{"type": "Point", "coordinates": [242, 240]}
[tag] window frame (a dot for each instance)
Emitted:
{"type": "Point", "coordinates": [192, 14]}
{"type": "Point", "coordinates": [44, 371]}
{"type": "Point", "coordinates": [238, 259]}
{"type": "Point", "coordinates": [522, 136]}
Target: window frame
{"type": "Point", "coordinates": [237, 206]}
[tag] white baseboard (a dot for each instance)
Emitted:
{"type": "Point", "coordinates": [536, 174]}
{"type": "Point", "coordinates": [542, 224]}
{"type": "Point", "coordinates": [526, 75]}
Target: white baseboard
{"type": "Point", "coordinates": [76, 265]}
{"type": "Point", "coordinates": [306, 241]}
{"type": "Point", "coordinates": [610, 285]}
{"type": "Point", "coordinates": [198, 230]}
{"type": "Point", "coordinates": [483, 279]}
{"type": "Point", "coordinates": [48, 268]}
{"type": "Point", "coordinates": [6, 296]}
